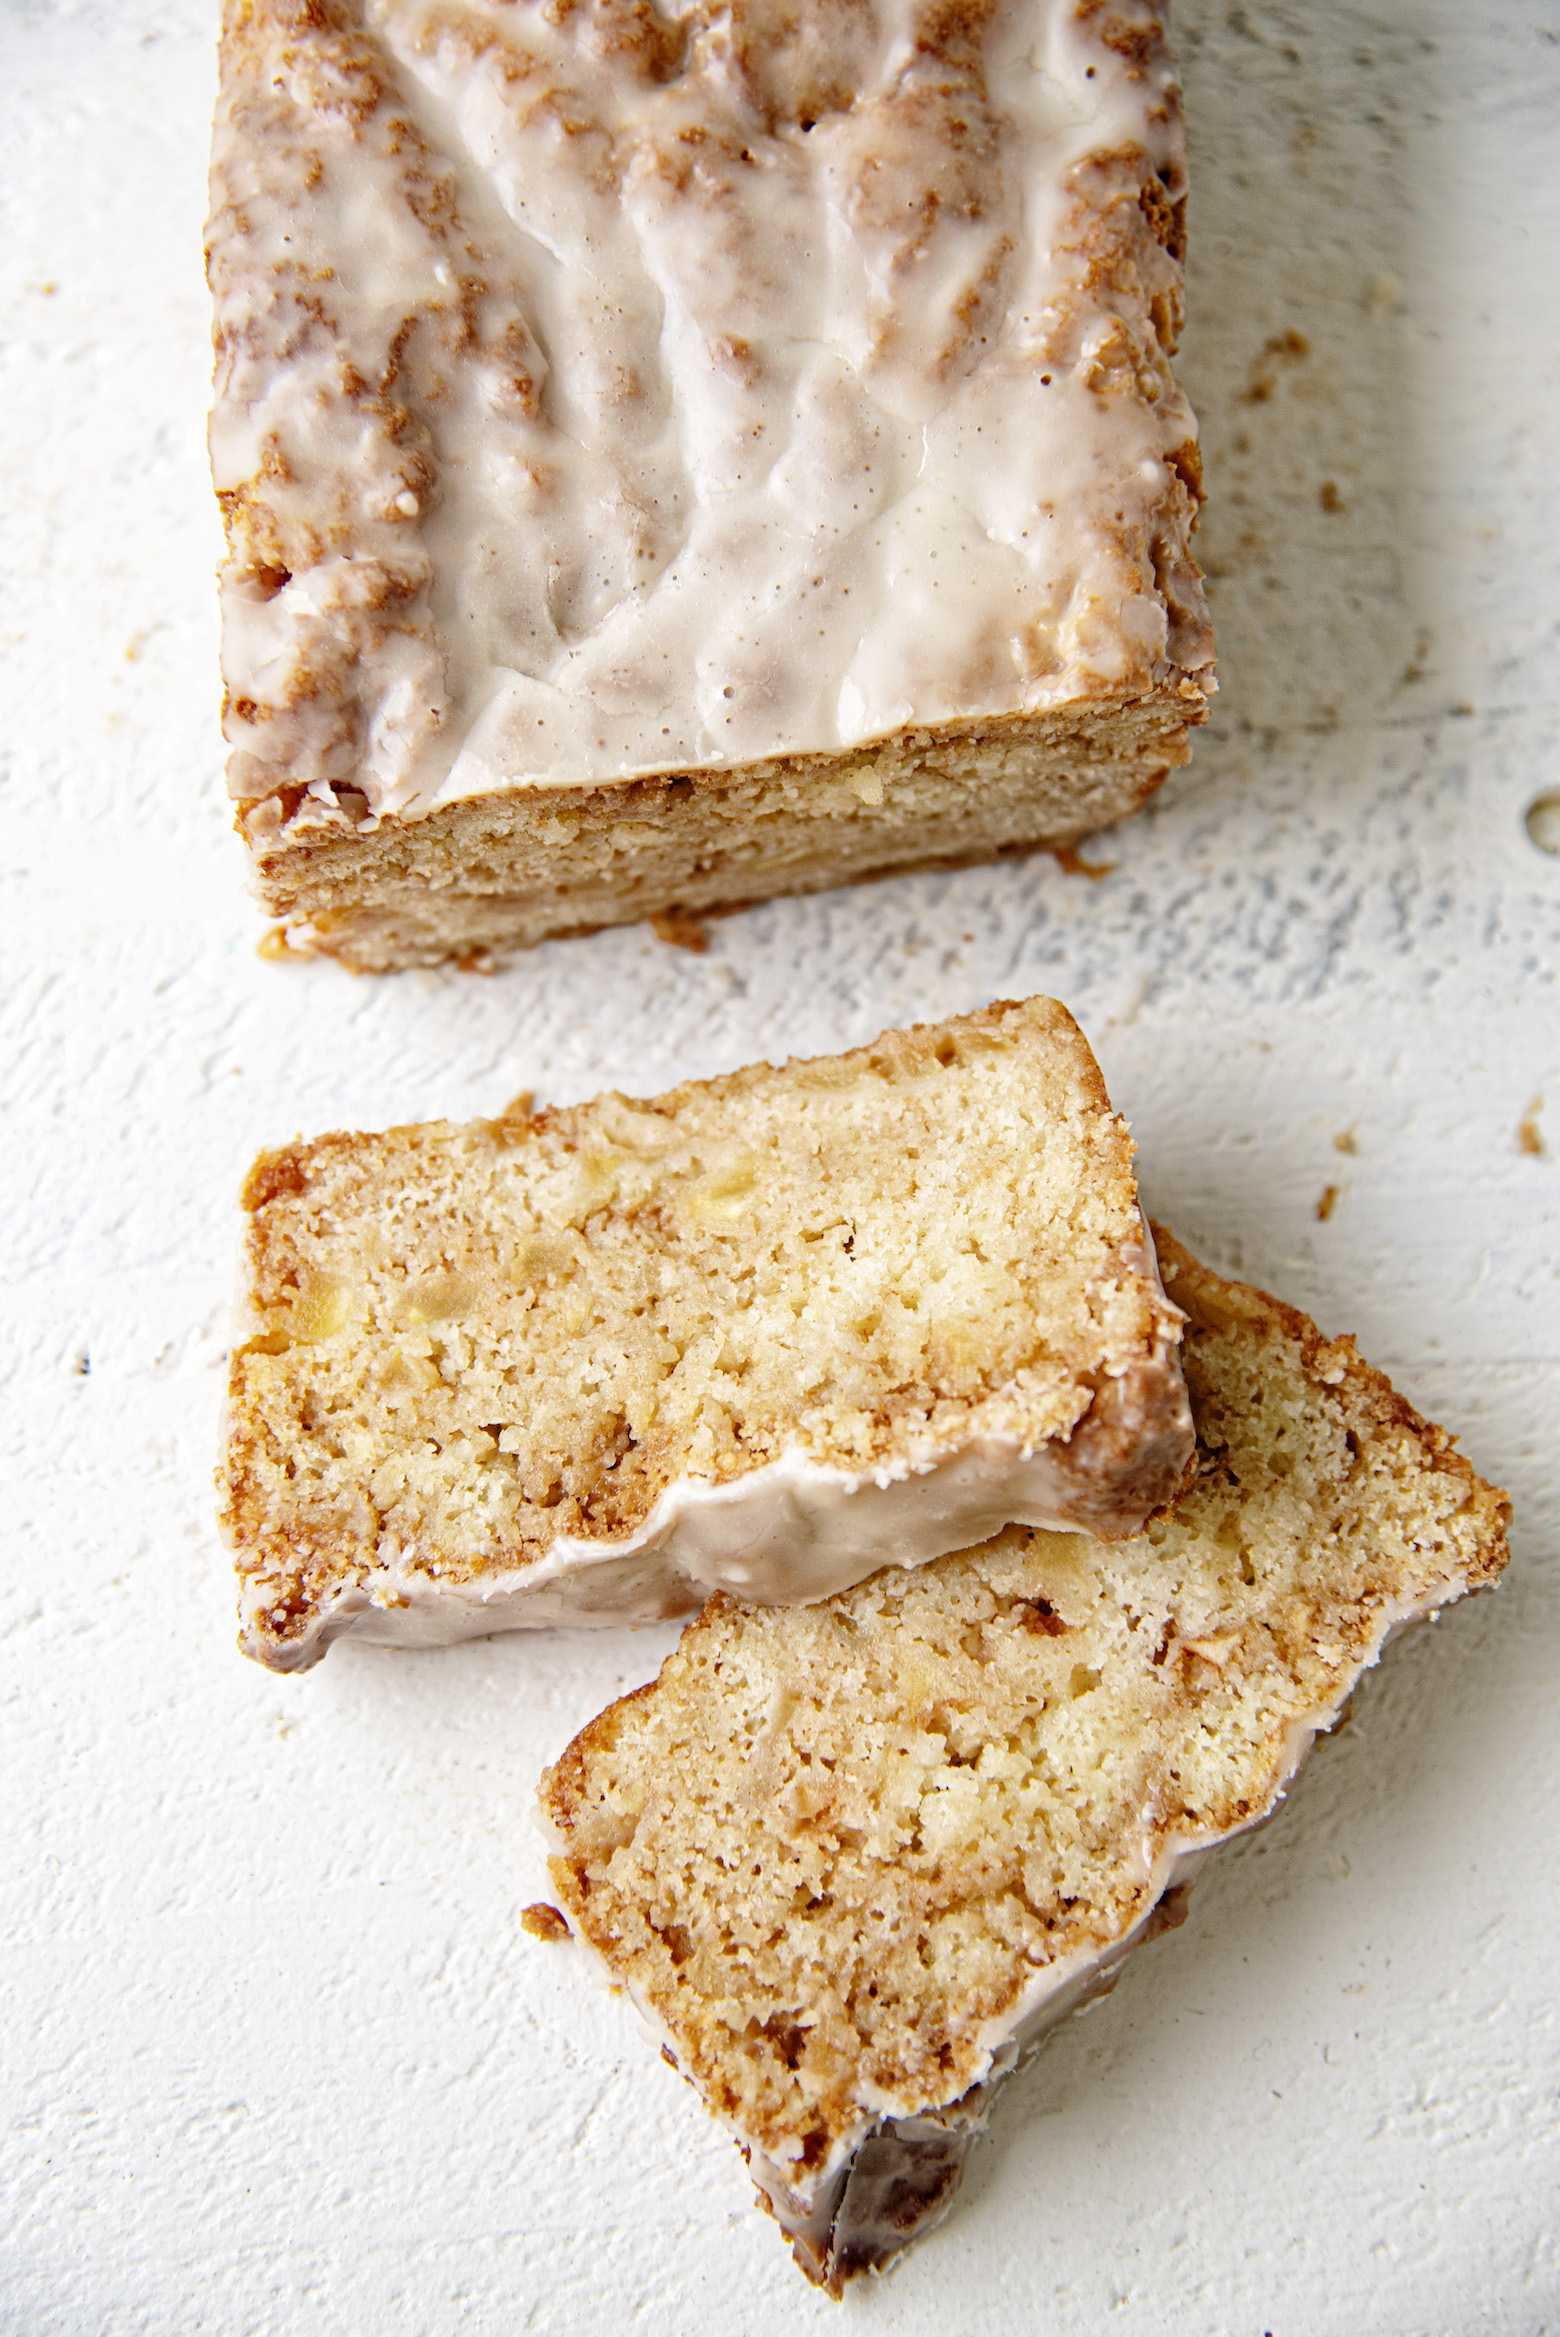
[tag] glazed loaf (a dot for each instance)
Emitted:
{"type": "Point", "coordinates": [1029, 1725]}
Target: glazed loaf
{"type": "Point", "coordinates": [675, 455]}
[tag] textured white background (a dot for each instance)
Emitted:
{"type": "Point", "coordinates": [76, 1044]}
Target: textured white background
{"type": "Point", "coordinates": [276, 2056]}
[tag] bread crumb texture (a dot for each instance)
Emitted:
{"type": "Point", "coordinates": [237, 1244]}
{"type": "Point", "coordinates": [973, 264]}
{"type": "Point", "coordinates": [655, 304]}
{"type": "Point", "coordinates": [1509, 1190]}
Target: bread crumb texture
{"type": "Point", "coordinates": [829, 1846]}
{"type": "Point", "coordinates": [468, 1342]}
{"type": "Point", "coordinates": [501, 872]}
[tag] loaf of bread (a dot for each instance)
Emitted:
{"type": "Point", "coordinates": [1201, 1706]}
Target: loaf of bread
{"type": "Point", "coordinates": [767, 1332]}
{"type": "Point", "coordinates": [676, 455]}
{"type": "Point", "coordinates": [851, 1861]}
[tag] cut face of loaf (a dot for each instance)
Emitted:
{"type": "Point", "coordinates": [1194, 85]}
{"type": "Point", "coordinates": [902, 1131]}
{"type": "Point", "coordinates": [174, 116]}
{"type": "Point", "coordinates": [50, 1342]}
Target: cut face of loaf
{"type": "Point", "coordinates": [852, 1861]}
{"type": "Point", "coordinates": [763, 1333]}
{"type": "Point", "coordinates": [672, 456]}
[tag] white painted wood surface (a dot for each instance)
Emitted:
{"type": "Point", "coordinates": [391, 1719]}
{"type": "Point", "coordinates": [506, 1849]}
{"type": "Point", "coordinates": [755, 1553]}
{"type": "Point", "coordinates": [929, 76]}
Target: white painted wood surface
{"type": "Point", "coordinates": [277, 2057]}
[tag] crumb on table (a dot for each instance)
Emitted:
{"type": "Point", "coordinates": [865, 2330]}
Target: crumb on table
{"type": "Point", "coordinates": [543, 1922]}
{"type": "Point", "coordinates": [1068, 857]}
{"type": "Point", "coordinates": [680, 931]}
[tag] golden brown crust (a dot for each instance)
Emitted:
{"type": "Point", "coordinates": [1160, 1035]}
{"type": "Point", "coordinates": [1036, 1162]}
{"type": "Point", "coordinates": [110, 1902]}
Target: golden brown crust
{"type": "Point", "coordinates": [1212, 1302]}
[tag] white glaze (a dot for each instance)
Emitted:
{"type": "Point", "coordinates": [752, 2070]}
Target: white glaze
{"type": "Point", "coordinates": [787, 1534]}
{"type": "Point", "coordinates": [719, 459]}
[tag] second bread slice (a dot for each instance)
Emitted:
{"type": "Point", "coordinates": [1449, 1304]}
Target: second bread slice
{"type": "Point", "coordinates": [852, 1864]}
{"type": "Point", "coordinates": [764, 1333]}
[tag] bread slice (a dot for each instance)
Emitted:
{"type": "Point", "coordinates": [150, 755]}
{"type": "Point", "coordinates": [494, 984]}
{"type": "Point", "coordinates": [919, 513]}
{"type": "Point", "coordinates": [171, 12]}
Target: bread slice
{"type": "Point", "coordinates": [765, 1332]}
{"type": "Point", "coordinates": [672, 456]}
{"type": "Point", "coordinates": [852, 1861]}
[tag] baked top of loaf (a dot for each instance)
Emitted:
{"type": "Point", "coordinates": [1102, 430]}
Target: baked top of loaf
{"type": "Point", "coordinates": [606, 389]}
{"type": "Point", "coordinates": [479, 1362]}
{"type": "Point", "coordinates": [846, 1858]}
